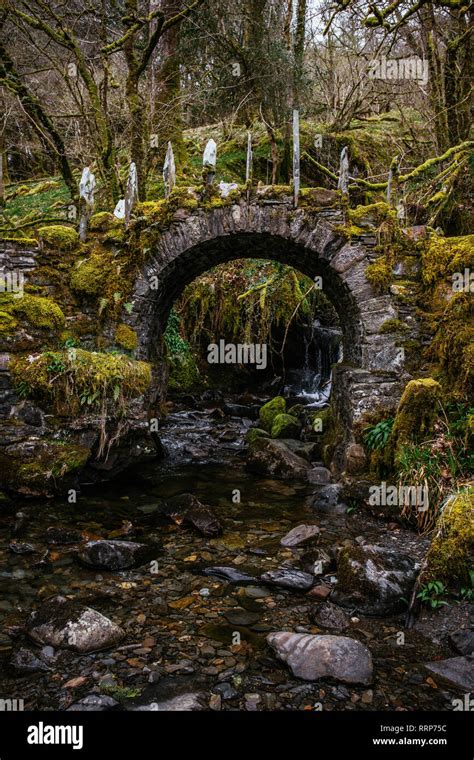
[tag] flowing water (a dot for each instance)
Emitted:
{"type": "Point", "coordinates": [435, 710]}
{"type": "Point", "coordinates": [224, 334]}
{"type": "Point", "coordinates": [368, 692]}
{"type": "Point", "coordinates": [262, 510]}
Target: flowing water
{"type": "Point", "coordinates": [187, 632]}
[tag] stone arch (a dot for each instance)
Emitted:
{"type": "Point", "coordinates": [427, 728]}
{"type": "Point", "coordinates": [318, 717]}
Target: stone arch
{"type": "Point", "coordinates": [308, 240]}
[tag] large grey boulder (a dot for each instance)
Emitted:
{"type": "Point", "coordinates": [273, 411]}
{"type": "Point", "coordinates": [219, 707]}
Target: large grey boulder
{"type": "Point", "coordinates": [65, 624]}
{"type": "Point", "coordinates": [273, 458]}
{"type": "Point", "coordinates": [312, 657]}
{"type": "Point", "coordinates": [373, 580]}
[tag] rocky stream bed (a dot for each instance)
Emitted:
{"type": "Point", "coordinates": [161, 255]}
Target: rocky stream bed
{"type": "Point", "coordinates": [234, 597]}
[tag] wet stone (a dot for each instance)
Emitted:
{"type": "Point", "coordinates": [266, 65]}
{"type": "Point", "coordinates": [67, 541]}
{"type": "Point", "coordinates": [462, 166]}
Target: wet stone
{"type": "Point", "coordinates": [93, 703]}
{"type": "Point", "coordinates": [65, 624]}
{"type": "Point", "coordinates": [289, 579]}
{"type": "Point", "coordinates": [241, 617]}
{"type": "Point", "coordinates": [25, 661]}
{"type": "Point", "coordinates": [463, 641]}
{"type": "Point", "coordinates": [60, 535]}
{"type": "Point", "coordinates": [455, 671]}
{"type": "Point", "coordinates": [229, 574]}
{"type": "Point", "coordinates": [300, 535]}
{"type": "Point", "coordinates": [313, 657]}
{"type": "Point", "coordinates": [331, 616]}
{"type": "Point", "coordinates": [113, 555]}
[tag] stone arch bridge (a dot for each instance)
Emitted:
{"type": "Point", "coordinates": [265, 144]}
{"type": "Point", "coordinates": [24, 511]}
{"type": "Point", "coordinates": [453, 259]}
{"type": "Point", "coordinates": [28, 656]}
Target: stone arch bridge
{"type": "Point", "coordinates": [312, 238]}
{"type": "Point", "coordinates": [312, 241]}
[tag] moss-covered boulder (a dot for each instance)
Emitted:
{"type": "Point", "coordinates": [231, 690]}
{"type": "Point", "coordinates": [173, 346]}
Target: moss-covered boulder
{"type": "Point", "coordinates": [285, 426]}
{"type": "Point", "coordinates": [255, 433]}
{"type": "Point", "coordinates": [36, 469]}
{"type": "Point", "coordinates": [38, 312]}
{"type": "Point", "coordinates": [74, 380]}
{"type": "Point", "coordinates": [60, 237]}
{"type": "Point", "coordinates": [417, 412]}
{"type": "Point", "coordinates": [451, 553]}
{"type": "Point", "coordinates": [126, 337]}
{"type": "Point", "coordinates": [270, 410]}
{"type": "Point", "coordinates": [373, 580]}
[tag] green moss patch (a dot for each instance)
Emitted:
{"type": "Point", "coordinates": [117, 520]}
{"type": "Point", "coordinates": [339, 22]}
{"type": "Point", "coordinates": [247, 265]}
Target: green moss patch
{"type": "Point", "coordinates": [126, 337]}
{"type": "Point", "coordinates": [60, 237]}
{"type": "Point", "coordinates": [270, 410]}
{"type": "Point", "coordinates": [75, 378]}
{"type": "Point", "coordinates": [442, 257]}
{"type": "Point", "coordinates": [43, 313]}
{"type": "Point", "coordinates": [285, 426]}
{"type": "Point", "coordinates": [450, 555]}
{"type": "Point", "coordinates": [380, 274]}
{"type": "Point", "coordinates": [35, 470]}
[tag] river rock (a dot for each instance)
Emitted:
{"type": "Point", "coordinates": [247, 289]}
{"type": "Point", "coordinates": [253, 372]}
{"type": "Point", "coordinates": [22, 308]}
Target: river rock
{"type": "Point", "coordinates": [372, 580]}
{"type": "Point", "coordinates": [316, 561]}
{"type": "Point", "coordinates": [186, 509]}
{"type": "Point", "coordinates": [57, 535]}
{"type": "Point", "coordinates": [181, 703]}
{"type": "Point", "coordinates": [66, 624]}
{"type": "Point", "coordinates": [25, 661]}
{"type": "Point", "coordinates": [94, 703]}
{"type": "Point", "coordinates": [273, 458]}
{"type": "Point", "coordinates": [229, 574]}
{"type": "Point", "coordinates": [285, 426]}
{"type": "Point", "coordinates": [456, 671]}
{"type": "Point", "coordinates": [241, 617]}
{"type": "Point", "coordinates": [329, 615]}
{"type": "Point", "coordinates": [319, 476]}
{"type": "Point", "coordinates": [463, 641]}
{"type": "Point", "coordinates": [289, 578]}
{"type": "Point", "coordinates": [18, 547]}
{"type": "Point", "coordinates": [113, 555]}
{"type": "Point", "coordinates": [328, 499]}
{"type": "Point", "coordinates": [300, 535]}
{"type": "Point", "coordinates": [311, 657]}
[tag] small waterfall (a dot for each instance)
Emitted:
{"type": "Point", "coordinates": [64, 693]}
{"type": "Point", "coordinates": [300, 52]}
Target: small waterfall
{"type": "Point", "coordinates": [312, 382]}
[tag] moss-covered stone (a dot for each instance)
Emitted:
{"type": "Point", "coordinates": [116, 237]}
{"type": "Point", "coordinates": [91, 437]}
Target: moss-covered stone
{"type": "Point", "coordinates": [269, 411]}
{"type": "Point", "coordinates": [379, 274]}
{"type": "Point", "coordinates": [23, 242]}
{"type": "Point", "coordinates": [103, 221]}
{"type": "Point", "coordinates": [452, 346]}
{"type": "Point", "coordinates": [417, 412]}
{"type": "Point", "coordinates": [285, 426]}
{"type": "Point", "coordinates": [371, 215]}
{"type": "Point", "coordinates": [450, 555]}
{"type": "Point", "coordinates": [393, 326]}
{"type": "Point", "coordinates": [255, 433]}
{"type": "Point", "coordinates": [39, 312]}
{"type": "Point", "coordinates": [75, 378]}
{"type": "Point", "coordinates": [38, 469]}
{"type": "Point", "coordinates": [126, 337]}
{"type": "Point", "coordinates": [89, 275]}
{"type": "Point", "coordinates": [59, 237]}
{"type": "Point", "coordinates": [183, 372]}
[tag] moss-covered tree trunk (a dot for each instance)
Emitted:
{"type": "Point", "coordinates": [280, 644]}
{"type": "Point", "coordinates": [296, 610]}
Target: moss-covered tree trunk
{"type": "Point", "coordinates": [168, 117]}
